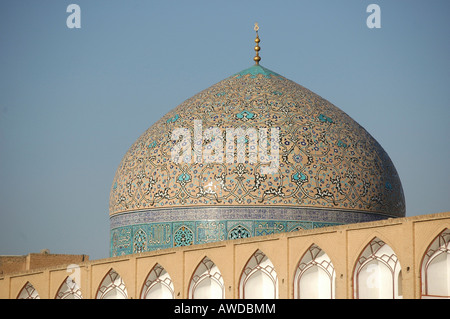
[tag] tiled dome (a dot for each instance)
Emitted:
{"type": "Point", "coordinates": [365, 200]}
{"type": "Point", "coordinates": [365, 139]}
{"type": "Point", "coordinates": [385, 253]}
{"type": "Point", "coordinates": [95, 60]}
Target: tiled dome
{"type": "Point", "coordinates": [329, 170]}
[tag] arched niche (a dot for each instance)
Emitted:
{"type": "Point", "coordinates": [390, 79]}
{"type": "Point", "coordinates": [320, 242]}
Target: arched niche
{"type": "Point", "coordinates": [377, 272]}
{"type": "Point", "coordinates": [158, 284]}
{"type": "Point", "coordinates": [207, 281]}
{"type": "Point", "coordinates": [28, 292]}
{"type": "Point", "coordinates": [435, 269]}
{"type": "Point", "coordinates": [69, 289]}
{"type": "Point", "coordinates": [259, 279]}
{"type": "Point", "coordinates": [112, 287]}
{"type": "Point", "coordinates": [314, 277]}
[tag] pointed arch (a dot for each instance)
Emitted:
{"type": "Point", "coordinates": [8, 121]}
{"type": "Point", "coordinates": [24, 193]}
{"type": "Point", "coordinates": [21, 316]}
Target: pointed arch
{"type": "Point", "coordinates": [435, 268]}
{"type": "Point", "coordinates": [376, 272]}
{"type": "Point", "coordinates": [69, 289]}
{"type": "Point", "coordinates": [158, 284]}
{"type": "Point", "coordinates": [112, 287]}
{"type": "Point", "coordinates": [207, 281]}
{"type": "Point", "coordinates": [139, 241]}
{"type": "Point", "coordinates": [28, 292]}
{"type": "Point", "coordinates": [184, 236]}
{"type": "Point", "coordinates": [314, 276]}
{"type": "Point", "coordinates": [259, 279]}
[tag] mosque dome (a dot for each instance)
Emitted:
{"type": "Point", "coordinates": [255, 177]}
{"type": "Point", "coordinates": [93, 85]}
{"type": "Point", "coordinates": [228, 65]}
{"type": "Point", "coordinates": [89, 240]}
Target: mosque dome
{"type": "Point", "coordinates": [252, 155]}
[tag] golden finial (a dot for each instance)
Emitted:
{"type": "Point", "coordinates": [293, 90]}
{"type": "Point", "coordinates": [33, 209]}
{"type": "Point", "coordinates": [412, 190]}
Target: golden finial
{"type": "Point", "coordinates": [257, 58]}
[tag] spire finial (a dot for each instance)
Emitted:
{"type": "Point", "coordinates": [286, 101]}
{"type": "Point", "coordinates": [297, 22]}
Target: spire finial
{"type": "Point", "coordinates": [257, 58]}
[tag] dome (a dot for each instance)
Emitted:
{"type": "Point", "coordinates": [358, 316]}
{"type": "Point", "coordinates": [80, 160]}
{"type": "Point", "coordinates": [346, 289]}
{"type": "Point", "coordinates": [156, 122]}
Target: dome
{"type": "Point", "coordinates": [252, 155]}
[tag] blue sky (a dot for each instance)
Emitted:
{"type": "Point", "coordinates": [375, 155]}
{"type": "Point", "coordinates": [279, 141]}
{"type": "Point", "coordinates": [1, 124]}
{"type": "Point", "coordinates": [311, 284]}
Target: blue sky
{"type": "Point", "coordinates": [72, 101]}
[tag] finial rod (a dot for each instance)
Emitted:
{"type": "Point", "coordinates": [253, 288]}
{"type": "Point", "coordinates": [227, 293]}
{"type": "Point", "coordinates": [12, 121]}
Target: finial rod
{"type": "Point", "coordinates": [257, 58]}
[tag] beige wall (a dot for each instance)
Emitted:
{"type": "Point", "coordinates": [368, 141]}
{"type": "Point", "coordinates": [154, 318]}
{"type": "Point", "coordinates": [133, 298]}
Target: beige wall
{"type": "Point", "coordinates": [408, 237]}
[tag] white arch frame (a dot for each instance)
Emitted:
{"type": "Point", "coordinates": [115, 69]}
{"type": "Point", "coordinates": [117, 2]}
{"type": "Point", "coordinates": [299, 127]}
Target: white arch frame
{"type": "Point", "coordinates": [439, 247]}
{"type": "Point", "coordinates": [28, 292]}
{"type": "Point", "coordinates": [69, 289]}
{"type": "Point", "coordinates": [158, 276]}
{"type": "Point", "coordinates": [112, 282]}
{"type": "Point", "coordinates": [314, 257]}
{"type": "Point", "coordinates": [258, 263]}
{"type": "Point", "coordinates": [378, 253]}
{"type": "Point", "coordinates": [206, 270]}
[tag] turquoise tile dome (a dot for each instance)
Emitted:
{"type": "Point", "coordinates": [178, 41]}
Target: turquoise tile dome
{"type": "Point", "coordinates": [330, 170]}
